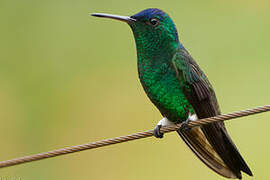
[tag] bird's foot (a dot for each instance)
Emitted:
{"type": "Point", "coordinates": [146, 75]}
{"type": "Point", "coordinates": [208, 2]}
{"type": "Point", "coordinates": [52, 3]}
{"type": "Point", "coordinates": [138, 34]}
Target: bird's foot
{"type": "Point", "coordinates": [157, 132]}
{"type": "Point", "coordinates": [161, 123]}
{"type": "Point", "coordinates": [185, 126]}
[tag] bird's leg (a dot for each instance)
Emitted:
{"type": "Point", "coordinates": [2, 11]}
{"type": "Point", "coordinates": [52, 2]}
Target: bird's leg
{"type": "Point", "coordinates": [161, 123]}
{"type": "Point", "coordinates": [184, 126]}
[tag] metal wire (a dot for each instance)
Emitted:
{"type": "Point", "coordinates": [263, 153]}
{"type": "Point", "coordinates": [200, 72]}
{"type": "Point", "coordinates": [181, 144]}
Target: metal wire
{"type": "Point", "coordinates": [130, 137]}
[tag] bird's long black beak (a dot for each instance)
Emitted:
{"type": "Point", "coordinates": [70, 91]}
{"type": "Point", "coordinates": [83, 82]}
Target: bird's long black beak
{"type": "Point", "coordinates": [117, 17]}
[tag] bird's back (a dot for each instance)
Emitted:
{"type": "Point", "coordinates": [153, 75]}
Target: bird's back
{"type": "Point", "coordinates": [213, 137]}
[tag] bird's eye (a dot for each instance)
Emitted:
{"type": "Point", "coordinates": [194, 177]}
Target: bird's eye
{"type": "Point", "coordinates": [154, 22]}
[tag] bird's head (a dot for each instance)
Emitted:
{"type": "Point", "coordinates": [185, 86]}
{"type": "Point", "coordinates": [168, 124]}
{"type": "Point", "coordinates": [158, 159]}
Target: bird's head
{"type": "Point", "coordinates": [152, 28]}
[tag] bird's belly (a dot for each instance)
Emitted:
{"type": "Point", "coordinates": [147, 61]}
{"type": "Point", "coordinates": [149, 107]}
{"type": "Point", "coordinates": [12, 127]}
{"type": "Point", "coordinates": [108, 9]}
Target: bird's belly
{"type": "Point", "coordinates": [164, 91]}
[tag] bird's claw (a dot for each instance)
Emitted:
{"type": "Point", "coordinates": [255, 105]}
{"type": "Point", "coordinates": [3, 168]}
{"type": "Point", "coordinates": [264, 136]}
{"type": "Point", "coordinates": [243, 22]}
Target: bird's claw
{"type": "Point", "coordinates": [157, 132]}
{"type": "Point", "coordinates": [185, 126]}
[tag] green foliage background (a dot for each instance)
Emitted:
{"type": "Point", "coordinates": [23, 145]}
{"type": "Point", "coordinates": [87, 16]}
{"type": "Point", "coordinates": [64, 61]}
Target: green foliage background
{"type": "Point", "coordinates": [67, 78]}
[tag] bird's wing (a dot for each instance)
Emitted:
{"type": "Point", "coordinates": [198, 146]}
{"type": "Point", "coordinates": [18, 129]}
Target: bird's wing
{"type": "Point", "coordinates": [211, 141]}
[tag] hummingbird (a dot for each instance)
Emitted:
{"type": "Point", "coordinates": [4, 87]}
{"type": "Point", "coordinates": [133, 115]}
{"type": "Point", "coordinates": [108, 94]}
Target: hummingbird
{"type": "Point", "coordinates": [181, 91]}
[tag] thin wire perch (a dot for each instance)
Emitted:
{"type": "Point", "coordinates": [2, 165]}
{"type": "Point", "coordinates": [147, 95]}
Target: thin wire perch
{"type": "Point", "coordinates": [130, 137]}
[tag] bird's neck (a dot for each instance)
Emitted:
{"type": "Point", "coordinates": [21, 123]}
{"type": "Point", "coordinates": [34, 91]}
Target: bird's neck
{"type": "Point", "coordinates": [155, 53]}
{"type": "Point", "coordinates": [155, 61]}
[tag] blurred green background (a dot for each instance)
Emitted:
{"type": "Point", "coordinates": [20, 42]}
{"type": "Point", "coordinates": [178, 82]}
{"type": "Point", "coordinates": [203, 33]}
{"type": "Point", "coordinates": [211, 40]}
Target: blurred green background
{"type": "Point", "coordinates": [67, 78]}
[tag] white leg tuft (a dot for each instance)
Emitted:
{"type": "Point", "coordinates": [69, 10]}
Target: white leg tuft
{"type": "Point", "coordinates": [165, 122]}
{"type": "Point", "coordinates": [193, 117]}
